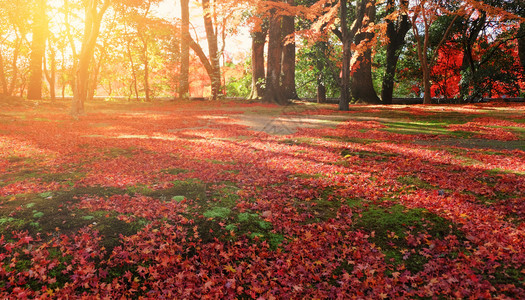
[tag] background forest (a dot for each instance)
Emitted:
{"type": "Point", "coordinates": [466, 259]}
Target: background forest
{"type": "Point", "coordinates": [368, 51]}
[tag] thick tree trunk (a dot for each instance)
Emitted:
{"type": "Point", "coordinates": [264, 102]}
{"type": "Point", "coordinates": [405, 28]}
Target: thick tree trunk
{"type": "Point", "coordinates": [288, 60]}
{"type": "Point", "coordinates": [347, 55]}
{"type": "Point", "coordinates": [213, 49]}
{"type": "Point", "coordinates": [396, 33]}
{"type": "Point", "coordinates": [273, 92]}
{"type": "Point", "coordinates": [362, 83]}
{"type": "Point", "coordinates": [258, 42]}
{"type": "Point", "coordinates": [38, 46]}
{"type": "Point", "coordinates": [521, 47]}
{"type": "Point", "coordinates": [91, 32]}
{"type": "Point", "coordinates": [321, 92]}
{"type": "Point", "coordinates": [427, 98]}
{"type": "Point", "coordinates": [184, 82]}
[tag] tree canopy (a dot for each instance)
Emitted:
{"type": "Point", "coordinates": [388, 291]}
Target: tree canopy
{"type": "Point", "coordinates": [368, 51]}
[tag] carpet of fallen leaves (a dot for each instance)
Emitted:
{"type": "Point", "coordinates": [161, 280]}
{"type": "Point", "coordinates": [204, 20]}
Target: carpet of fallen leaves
{"type": "Point", "coordinates": [182, 200]}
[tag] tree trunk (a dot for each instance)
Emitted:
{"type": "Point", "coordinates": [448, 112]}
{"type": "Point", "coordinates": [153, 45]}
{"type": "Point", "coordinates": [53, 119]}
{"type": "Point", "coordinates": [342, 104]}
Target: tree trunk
{"type": "Point", "coordinates": [91, 31]}
{"type": "Point", "coordinates": [3, 80]}
{"type": "Point", "coordinates": [468, 62]}
{"type": "Point", "coordinates": [14, 67]}
{"type": "Point", "coordinates": [273, 92]}
{"type": "Point", "coordinates": [213, 49]}
{"type": "Point", "coordinates": [38, 46]}
{"type": "Point", "coordinates": [133, 86]}
{"type": "Point", "coordinates": [422, 47]}
{"type": "Point", "coordinates": [258, 41]}
{"type": "Point", "coordinates": [347, 36]}
{"type": "Point", "coordinates": [145, 63]}
{"type": "Point", "coordinates": [93, 82]}
{"type": "Point", "coordinates": [288, 60]}
{"type": "Point", "coordinates": [347, 55]}
{"type": "Point", "coordinates": [521, 47]}
{"type": "Point", "coordinates": [67, 23]}
{"type": "Point", "coordinates": [396, 33]}
{"type": "Point", "coordinates": [51, 74]}
{"type": "Point", "coordinates": [184, 82]}
{"type": "Point", "coordinates": [362, 83]}
{"type": "Point", "coordinates": [146, 76]}
{"type": "Point", "coordinates": [321, 92]}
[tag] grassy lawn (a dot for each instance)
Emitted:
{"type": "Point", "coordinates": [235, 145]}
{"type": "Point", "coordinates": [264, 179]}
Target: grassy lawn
{"type": "Point", "coordinates": [237, 200]}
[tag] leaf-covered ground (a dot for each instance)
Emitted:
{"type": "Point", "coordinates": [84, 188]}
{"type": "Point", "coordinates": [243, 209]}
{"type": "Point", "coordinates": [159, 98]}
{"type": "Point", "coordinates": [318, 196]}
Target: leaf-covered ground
{"type": "Point", "coordinates": [233, 200]}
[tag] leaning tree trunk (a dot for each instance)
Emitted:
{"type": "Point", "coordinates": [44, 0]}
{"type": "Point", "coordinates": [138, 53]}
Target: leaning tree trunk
{"type": "Point", "coordinates": [258, 42]}
{"type": "Point", "coordinates": [213, 49]}
{"type": "Point", "coordinates": [184, 81]}
{"type": "Point", "coordinates": [362, 83]}
{"type": "Point", "coordinates": [288, 60]}
{"type": "Point", "coordinates": [38, 46]}
{"type": "Point", "coordinates": [273, 92]}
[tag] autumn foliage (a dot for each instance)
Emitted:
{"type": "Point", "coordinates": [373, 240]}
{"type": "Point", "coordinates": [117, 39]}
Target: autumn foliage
{"type": "Point", "coordinates": [196, 200]}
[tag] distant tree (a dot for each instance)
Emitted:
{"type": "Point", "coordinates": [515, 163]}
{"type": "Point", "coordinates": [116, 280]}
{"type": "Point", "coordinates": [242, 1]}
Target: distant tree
{"type": "Point", "coordinates": [288, 60]}
{"type": "Point", "coordinates": [94, 12]}
{"type": "Point", "coordinates": [423, 13]}
{"type": "Point", "coordinates": [519, 10]}
{"type": "Point", "coordinates": [14, 28]}
{"type": "Point", "coordinates": [50, 68]}
{"type": "Point", "coordinates": [346, 34]}
{"type": "Point", "coordinates": [38, 47]}
{"type": "Point", "coordinates": [258, 71]}
{"type": "Point", "coordinates": [184, 83]}
{"type": "Point", "coordinates": [397, 26]}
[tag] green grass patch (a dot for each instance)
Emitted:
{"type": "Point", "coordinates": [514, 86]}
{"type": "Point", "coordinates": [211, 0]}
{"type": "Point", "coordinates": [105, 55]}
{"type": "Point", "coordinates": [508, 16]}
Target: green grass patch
{"type": "Point", "coordinates": [190, 188]}
{"type": "Point", "coordinates": [24, 173]}
{"type": "Point", "coordinates": [174, 171]}
{"type": "Point", "coordinates": [391, 227]}
{"type": "Point", "coordinates": [117, 152]}
{"type": "Point", "coordinates": [417, 127]}
{"type": "Point", "coordinates": [52, 211]}
{"type": "Point", "coordinates": [414, 181]}
{"type": "Point", "coordinates": [367, 154]}
{"type": "Point", "coordinates": [297, 141]}
{"type": "Point", "coordinates": [363, 141]}
{"type": "Point", "coordinates": [220, 162]}
{"type": "Point", "coordinates": [217, 213]}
